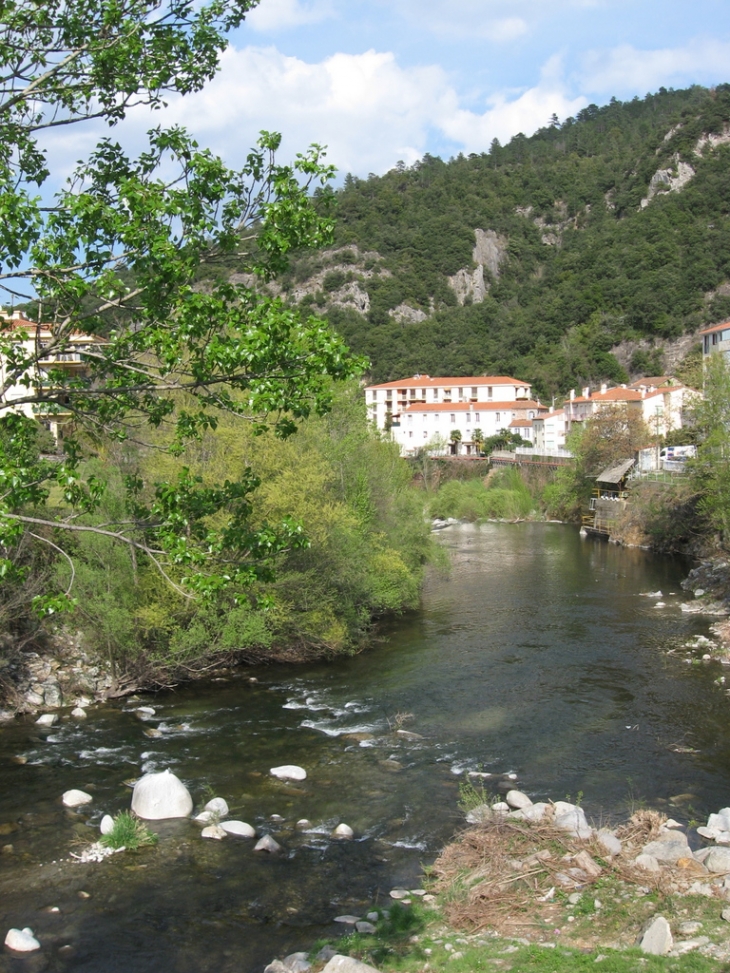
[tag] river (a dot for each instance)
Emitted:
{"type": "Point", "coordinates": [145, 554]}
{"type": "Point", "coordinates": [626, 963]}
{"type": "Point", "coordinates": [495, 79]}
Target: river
{"type": "Point", "coordinates": [538, 655]}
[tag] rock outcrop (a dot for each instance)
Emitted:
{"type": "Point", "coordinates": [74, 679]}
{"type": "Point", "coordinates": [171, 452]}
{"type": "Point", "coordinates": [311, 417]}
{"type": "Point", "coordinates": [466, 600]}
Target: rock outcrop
{"type": "Point", "coordinates": [490, 251]}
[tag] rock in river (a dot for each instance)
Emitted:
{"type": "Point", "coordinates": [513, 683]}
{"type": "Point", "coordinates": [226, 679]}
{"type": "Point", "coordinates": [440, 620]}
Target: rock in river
{"type": "Point", "coordinates": [239, 829]}
{"type": "Point", "coordinates": [289, 772]}
{"type": "Point", "coordinates": [267, 843]}
{"type": "Point", "coordinates": [160, 796]}
{"type": "Point", "coordinates": [22, 940]}
{"type": "Point", "coordinates": [217, 806]}
{"type": "Point", "coordinates": [74, 798]}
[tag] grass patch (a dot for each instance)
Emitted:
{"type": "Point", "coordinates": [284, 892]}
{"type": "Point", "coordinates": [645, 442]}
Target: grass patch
{"type": "Point", "coordinates": [129, 832]}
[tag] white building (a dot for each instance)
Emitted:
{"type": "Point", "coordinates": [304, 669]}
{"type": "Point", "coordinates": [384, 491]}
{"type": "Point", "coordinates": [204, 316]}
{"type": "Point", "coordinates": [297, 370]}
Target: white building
{"type": "Point", "coordinates": [663, 409]}
{"type": "Point", "coordinates": [551, 429]}
{"type": "Point", "coordinates": [431, 424]}
{"type": "Point", "coordinates": [716, 338]}
{"type": "Point", "coordinates": [41, 346]}
{"type": "Point", "coordinates": [386, 402]}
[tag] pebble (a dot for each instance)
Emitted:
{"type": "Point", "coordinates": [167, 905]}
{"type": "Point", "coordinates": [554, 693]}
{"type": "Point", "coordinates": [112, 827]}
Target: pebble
{"type": "Point", "coordinates": [78, 713]}
{"type": "Point", "coordinates": [399, 893]}
{"type": "Point", "coordinates": [239, 829]}
{"type": "Point", "coordinates": [343, 831]}
{"type": "Point", "coordinates": [347, 920]}
{"type": "Point", "coordinates": [48, 719]}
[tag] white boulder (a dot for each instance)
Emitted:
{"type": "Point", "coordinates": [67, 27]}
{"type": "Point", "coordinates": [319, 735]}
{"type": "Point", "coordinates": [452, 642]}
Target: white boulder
{"type": "Point", "coordinates": [572, 818]}
{"type": "Point", "coordinates": [213, 831]}
{"type": "Point", "coordinates": [22, 940]}
{"type": "Point", "coordinates": [107, 824]}
{"type": "Point", "coordinates": [289, 772]}
{"type": "Point", "coordinates": [517, 799]}
{"type": "Point", "coordinates": [657, 939]}
{"type": "Point", "coordinates": [718, 860]}
{"type": "Point", "coordinates": [74, 798]}
{"type": "Point", "coordinates": [48, 719]}
{"type": "Point", "coordinates": [609, 842]}
{"type": "Point", "coordinates": [217, 806]}
{"type": "Point", "coordinates": [347, 964]}
{"type": "Point", "coordinates": [239, 829]}
{"type": "Point", "coordinates": [343, 831]}
{"type": "Point", "coordinates": [669, 847]}
{"type": "Point", "coordinates": [78, 713]}
{"type": "Point", "coordinates": [267, 843]}
{"type": "Point", "coordinates": [159, 796]}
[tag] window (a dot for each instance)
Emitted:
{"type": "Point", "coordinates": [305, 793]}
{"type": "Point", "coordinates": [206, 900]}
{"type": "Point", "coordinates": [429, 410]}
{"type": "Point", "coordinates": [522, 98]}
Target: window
{"type": "Point", "coordinates": [468, 418]}
{"type": "Point", "coordinates": [375, 396]}
{"type": "Point", "coordinates": [410, 434]}
{"type": "Point", "coordinates": [530, 415]}
{"type": "Point", "coordinates": [435, 394]}
{"type": "Point", "coordinates": [474, 393]}
{"type": "Point", "coordinates": [413, 393]}
{"type": "Point", "coordinates": [496, 418]}
{"type": "Point", "coordinates": [410, 420]}
{"type": "Point", "coordinates": [453, 417]}
{"type": "Point", "coordinates": [476, 417]}
{"type": "Point", "coordinates": [461, 395]}
{"type": "Point", "coordinates": [425, 434]}
{"type": "Point", "coordinates": [447, 395]}
{"type": "Point", "coordinates": [436, 416]}
{"type": "Point", "coordinates": [489, 391]}
{"type": "Point", "coordinates": [389, 393]}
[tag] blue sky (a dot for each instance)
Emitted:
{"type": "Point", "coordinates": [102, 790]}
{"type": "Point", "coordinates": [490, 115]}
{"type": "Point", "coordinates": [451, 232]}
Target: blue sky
{"type": "Point", "coordinates": [384, 80]}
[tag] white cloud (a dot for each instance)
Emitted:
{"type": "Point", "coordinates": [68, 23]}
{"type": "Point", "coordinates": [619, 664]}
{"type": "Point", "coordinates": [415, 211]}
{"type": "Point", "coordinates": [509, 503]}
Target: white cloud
{"type": "Point", "coordinates": [274, 15]}
{"type": "Point", "coordinates": [626, 69]}
{"type": "Point", "coordinates": [496, 20]}
{"type": "Point", "coordinates": [367, 109]}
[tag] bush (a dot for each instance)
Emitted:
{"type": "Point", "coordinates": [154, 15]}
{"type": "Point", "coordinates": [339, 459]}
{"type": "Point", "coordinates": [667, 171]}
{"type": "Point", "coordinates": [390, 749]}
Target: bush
{"type": "Point", "coordinates": [129, 832]}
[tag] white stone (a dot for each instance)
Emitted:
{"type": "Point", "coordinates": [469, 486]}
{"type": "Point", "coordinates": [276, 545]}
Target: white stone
{"type": "Point", "coordinates": [213, 831]}
{"type": "Point", "coordinates": [718, 860]}
{"type": "Point", "coordinates": [289, 772]}
{"type": "Point", "coordinates": [648, 863]}
{"type": "Point", "coordinates": [304, 824]}
{"type": "Point", "coordinates": [78, 713]}
{"type": "Point", "coordinates": [517, 799]}
{"type": "Point", "coordinates": [481, 814]}
{"type": "Point", "coordinates": [533, 812]}
{"type": "Point", "coordinates": [501, 807]}
{"type": "Point", "coordinates": [657, 939]}
{"type": "Point", "coordinates": [48, 719]}
{"type": "Point", "coordinates": [609, 842]}
{"type": "Point", "coordinates": [719, 821]}
{"type": "Point", "coordinates": [365, 927]}
{"type": "Point", "coordinates": [144, 712]}
{"type": "Point", "coordinates": [347, 964]}
{"type": "Point", "coordinates": [22, 940]}
{"type": "Point", "coordinates": [107, 824]}
{"type": "Point", "coordinates": [668, 847]}
{"type": "Point", "coordinates": [74, 798]}
{"type": "Point", "coordinates": [159, 796]}
{"type": "Point", "coordinates": [571, 818]}
{"type": "Point", "coordinates": [205, 817]}
{"type": "Point", "coordinates": [267, 843]}
{"type": "Point", "coordinates": [217, 806]}
{"type": "Point", "coordinates": [347, 920]}
{"type": "Point", "coordinates": [239, 829]}
{"type": "Point", "coordinates": [399, 893]}
{"type": "Point", "coordinates": [343, 831]}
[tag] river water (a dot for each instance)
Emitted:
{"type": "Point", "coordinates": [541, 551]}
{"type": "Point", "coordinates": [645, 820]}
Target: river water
{"type": "Point", "coordinates": [539, 655]}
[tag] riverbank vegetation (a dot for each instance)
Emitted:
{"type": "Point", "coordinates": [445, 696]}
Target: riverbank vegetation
{"type": "Point", "coordinates": [362, 544]}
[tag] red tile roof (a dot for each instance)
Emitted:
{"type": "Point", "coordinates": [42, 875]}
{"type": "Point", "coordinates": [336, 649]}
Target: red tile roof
{"type": "Point", "coordinates": [716, 327]}
{"type": "Point", "coordinates": [425, 381]}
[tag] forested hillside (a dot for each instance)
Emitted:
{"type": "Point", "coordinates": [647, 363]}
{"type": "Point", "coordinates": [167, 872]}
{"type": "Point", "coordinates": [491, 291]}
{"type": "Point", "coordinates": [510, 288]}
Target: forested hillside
{"type": "Point", "coordinates": [536, 258]}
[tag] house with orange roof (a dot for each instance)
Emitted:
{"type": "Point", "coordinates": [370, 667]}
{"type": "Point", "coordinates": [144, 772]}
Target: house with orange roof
{"type": "Point", "coordinates": [716, 339]}
{"type": "Point", "coordinates": [663, 408]}
{"type": "Point", "coordinates": [43, 350]}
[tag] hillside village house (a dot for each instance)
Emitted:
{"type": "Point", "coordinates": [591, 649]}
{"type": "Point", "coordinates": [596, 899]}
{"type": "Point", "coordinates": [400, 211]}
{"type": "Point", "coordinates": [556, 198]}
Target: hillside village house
{"type": "Point", "coordinates": [662, 408]}
{"type": "Point", "coordinates": [38, 340]}
{"type": "Point", "coordinates": [716, 338]}
{"type": "Point", "coordinates": [550, 430]}
{"type": "Point", "coordinates": [423, 411]}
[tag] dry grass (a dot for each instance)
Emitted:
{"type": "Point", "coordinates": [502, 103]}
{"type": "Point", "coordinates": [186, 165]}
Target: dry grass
{"type": "Point", "coordinates": [506, 873]}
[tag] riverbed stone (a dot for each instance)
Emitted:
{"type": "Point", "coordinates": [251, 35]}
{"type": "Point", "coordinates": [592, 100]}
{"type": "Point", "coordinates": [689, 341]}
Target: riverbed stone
{"type": "Point", "coordinates": [297, 962]}
{"type": "Point", "coordinates": [365, 927]}
{"type": "Point", "coordinates": [668, 847]}
{"type": "Point", "coordinates": [533, 812]}
{"type": "Point", "coordinates": [690, 927]}
{"type": "Point", "coordinates": [160, 796]}
{"type": "Point", "coordinates": [22, 940]}
{"type": "Point", "coordinates": [657, 940]}
{"type": "Point", "coordinates": [609, 842]}
{"type": "Point", "coordinates": [289, 772]}
{"type": "Point", "coordinates": [572, 818]}
{"type": "Point", "coordinates": [517, 799]}
{"type": "Point", "coordinates": [107, 824]}
{"type": "Point", "coordinates": [78, 713]}
{"type": "Point", "coordinates": [267, 843]}
{"type": "Point", "coordinates": [304, 824]}
{"type": "Point", "coordinates": [76, 798]}
{"type": "Point", "coordinates": [647, 862]}
{"type": "Point", "coordinates": [347, 964]}
{"type": "Point", "coordinates": [48, 719]}
{"type": "Point", "coordinates": [239, 829]}
{"type": "Point", "coordinates": [481, 814]}
{"type": "Point", "coordinates": [217, 806]}
{"type": "Point", "coordinates": [205, 817]}
{"type": "Point", "coordinates": [718, 860]}
{"type": "Point", "coordinates": [213, 831]}
{"type": "Point", "coordinates": [343, 831]}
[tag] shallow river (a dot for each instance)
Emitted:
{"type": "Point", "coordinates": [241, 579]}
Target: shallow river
{"type": "Point", "coordinates": [537, 656]}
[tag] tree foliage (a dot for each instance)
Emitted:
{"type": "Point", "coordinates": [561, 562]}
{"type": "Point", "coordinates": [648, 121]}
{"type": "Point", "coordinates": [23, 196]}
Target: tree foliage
{"type": "Point", "coordinates": [116, 253]}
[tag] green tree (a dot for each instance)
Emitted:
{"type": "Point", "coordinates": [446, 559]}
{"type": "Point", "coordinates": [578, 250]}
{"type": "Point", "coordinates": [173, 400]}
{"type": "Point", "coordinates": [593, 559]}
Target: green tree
{"type": "Point", "coordinates": [711, 469]}
{"type": "Point", "coordinates": [116, 253]}
{"type": "Point", "coordinates": [477, 438]}
{"type": "Point", "coordinates": [455, 439]}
